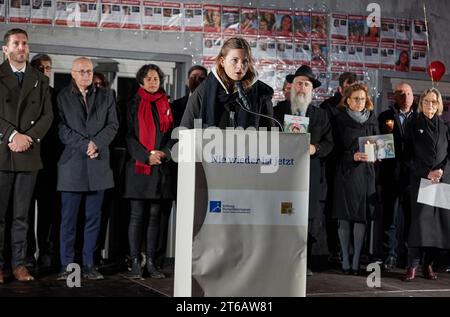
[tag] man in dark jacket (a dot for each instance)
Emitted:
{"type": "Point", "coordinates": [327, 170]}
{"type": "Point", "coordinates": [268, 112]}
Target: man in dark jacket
{"type": "Point", "coordinates": [394, 174]}
{"type": "Point", "coordinates": [321, 141]}
{"type": "Point", "coordinates": [330, 105]}
{"type": "Point", "coordinates": [25, 117]}
{"type": "Point", "coordinates": [284, 105]}
{"type": "Point", "coordinates": [87, 125]}
{"type": "Point", "coordinates": [196, 75]}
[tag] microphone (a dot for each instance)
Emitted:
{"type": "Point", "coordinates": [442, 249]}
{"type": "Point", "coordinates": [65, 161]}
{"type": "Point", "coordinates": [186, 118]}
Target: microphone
{"type": "Point", "coordinates": [243, 103]}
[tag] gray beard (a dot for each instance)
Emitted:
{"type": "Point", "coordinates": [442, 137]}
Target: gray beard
{"type": "Point", "coordinates": [300, 102]}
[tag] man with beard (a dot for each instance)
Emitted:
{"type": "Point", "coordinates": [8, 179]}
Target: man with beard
{"type": "Point", "coordinates": [25, 117]}
{"type": "Point", "coordinates": [321, 144]}
{"type": "Point", "coordinates": [196, 75]}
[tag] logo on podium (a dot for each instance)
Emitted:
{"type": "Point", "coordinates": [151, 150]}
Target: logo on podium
{"type": "Point", "coordinates": [215, 206]}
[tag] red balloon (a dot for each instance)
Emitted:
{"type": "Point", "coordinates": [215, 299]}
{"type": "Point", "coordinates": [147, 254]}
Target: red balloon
{"type": "Point", "coordinates": [436, 70]}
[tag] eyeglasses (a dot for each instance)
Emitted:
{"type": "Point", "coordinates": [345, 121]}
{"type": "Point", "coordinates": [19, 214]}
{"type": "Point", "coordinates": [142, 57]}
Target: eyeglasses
{"type": "Point", "coordinates": [357, 99]}
{"type": "Point", "coordinates": [48, 67]}
{"type": "Point", "coordinates": [84, 72]}
{"type": "Point", "coordinates": [434, 103]}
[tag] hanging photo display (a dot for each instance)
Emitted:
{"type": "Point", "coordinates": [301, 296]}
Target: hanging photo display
{"type": "Point", "coordinates": [372, 33]}
{"type": "Point", "coordinates": [387, 56]}
{"type": "Point", "coordinates": [318, 25]}
{"type": "Point", "coordinates": [338, 55]}
{"type": "Point", "coordinates": [212, 19]}
{"type": "Point", "coordinates": [372, 55]}
{"type": "Point", "coordinates": [284, 24]}
{"type": "Point", "coordinates": [2, 11]}
{"type": "Point", "coordinates": [131, 14]}
{"type": "Point", "coordinates": [285, 51]}
{"type": "Point", "coordinates": [19, 11]}
{"type": "Point", "coordinates": [193, 17]}
{"type": "Point", "coordinates": [355, 56]}
{"type": "Point", "coordinates": [302, 52]}
{"type": "Point", "coordinates": [402, 61]}
{"type": "Point", "coordinates": [211, 45]}
{"type": "Point", "coordinates": [356, 29]}
{"type": "Point", "coordinates": [152, 17]}
{"type": "Point", "coordinates": [110, 18]}
{"type": "Point", "coordinates": [266, 20]}
{"type": "Point", "coordinates": [302, 24]}
{"type": "Point", "coordinates": [267, 50]}
{"type": "Point", "coordinates": [339, 27]}
{"type": "Point", "coordinates": [419, 33]}
{"type": "Point", "coordinates": [419, 58]}
{"type": "Point", "coordinates": [42, 12]}
{"type": "Point", "coordinates": [76, 13]}
{"type": "Point", "coordinates": [403, 35]}
{"type": "Point", "coordinates": [319, 54]}
{"type": "Point", "coordinates": [249, 21]}
{"type": "Point", "coordinates": [388, 30]}
{"type": "Point", "coordinates": [230, 20]}
{"type": "Point", "coordinates": [171, 16]}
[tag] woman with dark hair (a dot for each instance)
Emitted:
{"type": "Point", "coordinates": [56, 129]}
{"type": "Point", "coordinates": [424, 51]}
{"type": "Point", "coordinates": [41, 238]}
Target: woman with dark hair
{"type": "Point", "coordinates": [354, 186]}
{"type": "Point", "coordinates": [427, 152]}
{"type": "Point", "coordinates": [100, 80]}
{"type": "Point", "coordinates": [402, 63]}
{"type": "Point", "coordinates": [147, 176]}
{"type": "Point", "coordinates": [216, 102]}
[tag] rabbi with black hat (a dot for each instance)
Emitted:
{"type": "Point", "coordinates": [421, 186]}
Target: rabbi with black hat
{"type": "Point", "coordinates": [321, 141]}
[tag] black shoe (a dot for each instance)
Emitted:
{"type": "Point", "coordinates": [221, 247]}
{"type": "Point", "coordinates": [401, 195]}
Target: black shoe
{"type": "Point", "coordinates": [90, 272]}
{"type": "Point", "coordinates": [136, 271]}
{"type": "Point", "coordinates": [152, 271]}
{"type": "Point", "coordinates": [63, 274]}
{"type": "Point", "coordinates": [346, 271]}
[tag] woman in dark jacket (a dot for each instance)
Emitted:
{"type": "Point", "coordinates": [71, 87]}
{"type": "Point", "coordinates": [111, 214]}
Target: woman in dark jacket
{"type": "Point", "coordinates": [354, 193]}
{"type": "Point", "coordinates": [147, 172]}
{"type": "Point", "coordinates": [215, 101]}
{"type": "Point", "coordinates": [427, 152]}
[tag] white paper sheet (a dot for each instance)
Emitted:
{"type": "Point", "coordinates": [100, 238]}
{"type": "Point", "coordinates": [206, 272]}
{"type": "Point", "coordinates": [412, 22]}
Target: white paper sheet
{"type": "Point", "coordinates": [436, 195]}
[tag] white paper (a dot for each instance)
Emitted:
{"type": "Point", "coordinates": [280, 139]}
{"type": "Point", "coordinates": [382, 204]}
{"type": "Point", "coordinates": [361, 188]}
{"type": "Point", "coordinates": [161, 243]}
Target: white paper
{"type": "Point", "coordinates": [436, 195]}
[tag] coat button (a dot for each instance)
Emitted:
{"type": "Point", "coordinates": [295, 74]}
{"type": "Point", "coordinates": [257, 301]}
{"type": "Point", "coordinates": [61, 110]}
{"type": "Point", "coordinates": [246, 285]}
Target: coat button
{"type": "Point", "coordinates": [38, 140]}
{"type": "Point", "coordinates": [32, 122]}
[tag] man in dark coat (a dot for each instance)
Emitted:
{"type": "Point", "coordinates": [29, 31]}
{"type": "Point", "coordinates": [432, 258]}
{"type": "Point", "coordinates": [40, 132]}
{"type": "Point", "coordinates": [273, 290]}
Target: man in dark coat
{"type": "Point", "coordinates": [330, 105]}
{"type": "Point", "coordinates": [87, 125]}
{"type": "Point", "coordinates": [394, 174]}
{"type": "Point", "coordinates": [25, 117]}
{"type": "Point", "coordinates": [284, 105]}
{"type": "Point", "coordinates": [321, 142]}
{"type": "Point", "coordinates": [196, 75]}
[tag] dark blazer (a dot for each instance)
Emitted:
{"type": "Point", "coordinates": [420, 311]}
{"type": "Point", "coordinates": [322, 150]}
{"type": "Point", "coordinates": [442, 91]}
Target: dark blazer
{"type": "Point", "coordinates": [77, 126]}
{"type": "Point", "coordinates": [354, 188]}
{"type": "Point", "coordinates": [320, 129]}
{"type": "Point", "coordinates": [430, 226]}
{"type": "Point", "coordinates": [178, 108]}
{"type": "Point", "coordinates": [158, 184]}
{"type": "Point", "coordinates": [27, 110]}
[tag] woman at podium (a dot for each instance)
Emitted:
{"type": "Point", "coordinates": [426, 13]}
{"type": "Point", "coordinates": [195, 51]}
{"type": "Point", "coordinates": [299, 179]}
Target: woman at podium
{"type": "Point", "coordinates": [231, 96]}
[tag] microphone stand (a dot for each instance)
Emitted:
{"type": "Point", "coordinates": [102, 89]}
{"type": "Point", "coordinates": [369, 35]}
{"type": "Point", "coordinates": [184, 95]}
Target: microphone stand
{"type": "Point", "coordinates": [259, 114]}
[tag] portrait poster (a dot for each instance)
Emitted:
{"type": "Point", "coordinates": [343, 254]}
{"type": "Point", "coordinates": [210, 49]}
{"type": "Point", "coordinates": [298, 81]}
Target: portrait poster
{"type": "Point", "coordinates": [267, 50]}
{"type": "Point", "coordinates": [338, 55]}
{"type": "Point", "coordinates": [211, 45]}
{"type": "Point", "coordinates": [319, 53]}
{"type": "Point", "coordinates": [403, 32]}
{"type": "Point", "coordinates": [131, 14]}
{"type": "Point", "coordinates": [2, 11]}
{"type": "Point", "coordinates": [284, 25]}
{"type": "Point", "coordinates": [152, 16]}
{"type": "Point", "coordinates": [402, 58]}
{"type": "Point", "coordinates": [172, 16]}
{"type": "Point", "coordinates": [212, 18]}
{"type": "Point", "coordinates": [110, 14]}
{"type": "Point", "coordinates": [419, 33]}
{"type": "Point", "coordinates": [419, 58]}
{"type": "Point", "coordinates": [356, 29]}
{"type": "Point", "coordinates": [387, 55]}
{"type": "Point", "coordinates": [383, 145]}
{"type": "Point", "coordinates": [266, 22]}
{"type": "Point", "coordinates": [302, 24]}
{"type": "Point", "coordinates": [285, 51]}
{"type": "Point", "coordinates": [77, 13]}
{"type": "Point", "coordinates": [355, 56]}
{"type": "Point", "coordinates": [230, 20]}
{"type": "Point", "coordinates": [302, 52]}
{"type": "Point", "coordinates": [249, 21]}
{"type": "Point", "coordinates": [193, 17]}
{"type": "Point", "coordinates": [19, 11]}
{"type": "Point", "coordinates": [372, 55]}
{"type": "Point", "coordinates": [42, 11]}
{"type": "Point", "coordinates": [319, 26]}
{"type": "Point", "coordinates": [339, 27]}
{"type": "Point", "coordinates": [387, 30]}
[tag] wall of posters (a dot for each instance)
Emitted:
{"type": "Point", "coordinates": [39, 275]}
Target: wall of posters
{"type": "Point", "coordinates": [42, 11]}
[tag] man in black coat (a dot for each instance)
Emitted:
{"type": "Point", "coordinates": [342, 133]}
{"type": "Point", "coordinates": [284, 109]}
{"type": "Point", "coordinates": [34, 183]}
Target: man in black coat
{"type": "Point", "coordinates": [321, 142]}
{"type": "Point", "coordinates": [284, 105]}
{"type": "Point", "coordinates": [25, 117]}
{"type": "Point", "coordinates": [196, 75]}
{"type": "Point", "coordinates": [330, 105]}
{"type": "Point", "coordinates": [394, 174]}
{"type": "Point", "coordinates": [87, 125]}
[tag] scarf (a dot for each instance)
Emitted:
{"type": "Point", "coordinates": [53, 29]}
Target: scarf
{"type": "Point", "coordinates": [359, 116]}
{"type": "Point", "coordinates": [147, 127]}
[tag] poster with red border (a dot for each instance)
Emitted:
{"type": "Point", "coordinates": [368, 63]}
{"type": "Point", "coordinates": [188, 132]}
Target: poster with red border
{"type": "Point", "coordinates": [42, 12]}
{"type": "Point", "coordinates": [152, 16]}
{"type": "Point", "coordinates": [172, 16]}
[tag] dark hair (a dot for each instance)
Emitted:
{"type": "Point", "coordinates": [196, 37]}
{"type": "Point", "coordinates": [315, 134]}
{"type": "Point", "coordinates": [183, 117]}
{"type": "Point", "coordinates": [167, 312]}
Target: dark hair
{"type": "Point", "coordinates": [348, 77]}
{"type": "Point", "coordinates": [12, 32]}
{"type": "Point", "coordinates": [197, 67]}
{"type": "Point", "coordinates": [142, 72]}
{"type": "Point", "coordinates": [399, 55]}
{"type": "Point", "coordinates": [37, 60]}
{"type": "Point", "coordinates": [351, 89]}
{"type": "Point", "coordinates": [235, 43]}
{"type": "Point", "coordinates": [105, 83]}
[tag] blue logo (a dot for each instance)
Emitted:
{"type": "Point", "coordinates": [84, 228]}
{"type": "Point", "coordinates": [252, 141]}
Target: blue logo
{"type": "Point", "coordinates": [215, 206]}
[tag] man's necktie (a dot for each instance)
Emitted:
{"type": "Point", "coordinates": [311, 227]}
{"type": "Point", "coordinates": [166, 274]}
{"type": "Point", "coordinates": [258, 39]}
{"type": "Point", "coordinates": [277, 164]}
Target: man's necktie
{"type": "Point", "coordinates": [19, 76]}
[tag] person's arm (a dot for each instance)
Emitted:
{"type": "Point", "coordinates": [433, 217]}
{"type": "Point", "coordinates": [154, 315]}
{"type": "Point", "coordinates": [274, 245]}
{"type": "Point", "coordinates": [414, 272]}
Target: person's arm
{"type": "Point", "coordinates": [325, 145]}
{"type": "Point", "coordinates": [193, 107]}
{"type": "Point", "coordinates": [105, 136]}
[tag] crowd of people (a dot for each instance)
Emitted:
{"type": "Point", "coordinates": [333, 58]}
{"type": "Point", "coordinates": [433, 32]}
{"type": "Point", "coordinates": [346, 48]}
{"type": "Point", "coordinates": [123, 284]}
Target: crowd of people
{"type": "Point", "coordinates": [72, 131]}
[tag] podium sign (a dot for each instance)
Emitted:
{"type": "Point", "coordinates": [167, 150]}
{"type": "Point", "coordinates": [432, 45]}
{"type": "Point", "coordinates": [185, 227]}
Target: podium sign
{"type": "Point", "coordinates": [241, 230]}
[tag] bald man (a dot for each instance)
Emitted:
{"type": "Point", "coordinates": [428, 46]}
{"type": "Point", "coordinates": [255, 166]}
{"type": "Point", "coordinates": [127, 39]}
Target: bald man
{"type": "Point", "coordinates": [394, 174]}
{"type": "Point", "coordinates": [87, 125]}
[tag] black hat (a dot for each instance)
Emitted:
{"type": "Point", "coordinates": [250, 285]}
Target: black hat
{"type": "Point", "coordinates": [306, 71]}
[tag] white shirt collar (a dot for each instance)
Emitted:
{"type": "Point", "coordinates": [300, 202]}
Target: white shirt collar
{"type": "Point", "coordinates": [18, 70]}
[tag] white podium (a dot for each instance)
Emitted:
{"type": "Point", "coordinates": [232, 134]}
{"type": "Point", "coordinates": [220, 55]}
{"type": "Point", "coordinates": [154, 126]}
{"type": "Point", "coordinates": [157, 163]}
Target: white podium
{"type": "Point", "coordinates": [241, 228]}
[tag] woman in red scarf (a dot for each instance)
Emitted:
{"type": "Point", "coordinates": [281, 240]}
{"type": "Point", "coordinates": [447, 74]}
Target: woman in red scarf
{"type": "Point", "coordinates": [148, 180]}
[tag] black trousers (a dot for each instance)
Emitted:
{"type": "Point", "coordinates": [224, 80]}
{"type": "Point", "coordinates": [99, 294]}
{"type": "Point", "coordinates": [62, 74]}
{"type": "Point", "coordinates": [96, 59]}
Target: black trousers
{"type": "Point", "coordinates": [19, 187]}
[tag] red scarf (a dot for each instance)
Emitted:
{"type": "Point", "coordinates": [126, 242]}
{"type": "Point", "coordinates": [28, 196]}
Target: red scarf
{"type": "Point", "coordinates": [147, 128]}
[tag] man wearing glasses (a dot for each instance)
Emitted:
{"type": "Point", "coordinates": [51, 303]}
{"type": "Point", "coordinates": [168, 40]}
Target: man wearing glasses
{"type": "Point", "coordinates": [394, 176]}
{"type": "Point", "coordinates": [87, 125]}
{"type": "Point", "coordinates": [25, 117]}
{"type": "Point", "coordinates": [303, 83]}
